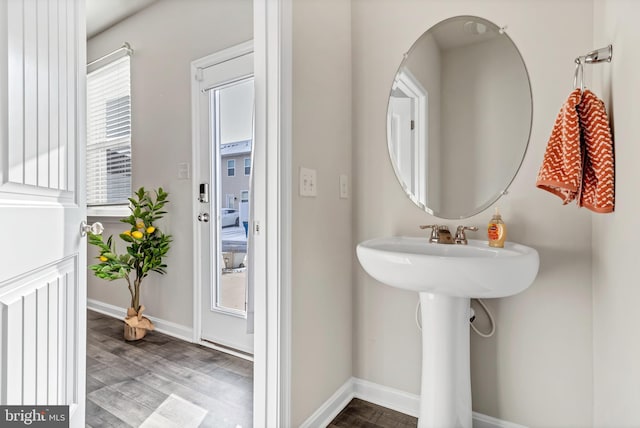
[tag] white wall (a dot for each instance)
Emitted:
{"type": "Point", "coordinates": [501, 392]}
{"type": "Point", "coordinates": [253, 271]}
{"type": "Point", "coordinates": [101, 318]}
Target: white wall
{"type": "Point", "coordinates": [322, 261]}
{"type": "Point", "coordinates": [616, 291]}
{"type": "Point", "coordinates": [166, 37]}
{"type": "Point", "coordinates": [537, 369]}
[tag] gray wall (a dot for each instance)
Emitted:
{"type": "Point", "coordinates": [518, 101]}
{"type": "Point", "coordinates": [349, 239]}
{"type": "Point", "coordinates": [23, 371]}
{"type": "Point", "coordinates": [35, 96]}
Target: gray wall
{"type": "Point", "coordinates": [322, 247]}
{"type": "Point", "coordinates": [537, 369]}
{"type": "Point", "coordinates": [470, 113]}
{"type": "Point", "coordinates": [616, 291]}
{"type": "Point", "coordinates": [166, 37]}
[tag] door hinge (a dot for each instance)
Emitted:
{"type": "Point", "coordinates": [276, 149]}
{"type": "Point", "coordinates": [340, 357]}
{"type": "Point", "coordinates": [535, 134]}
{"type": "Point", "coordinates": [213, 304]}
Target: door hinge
{"type": "Point", "coordinates": [413, 125]}
{"type": "Point", "coordinates": [256, 228]}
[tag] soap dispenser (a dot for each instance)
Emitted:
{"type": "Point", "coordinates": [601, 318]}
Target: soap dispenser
{"type": "Point", "coordinates": [497, 231]}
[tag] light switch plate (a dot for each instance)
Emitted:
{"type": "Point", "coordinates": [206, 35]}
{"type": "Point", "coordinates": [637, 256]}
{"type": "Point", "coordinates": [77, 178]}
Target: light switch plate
{"type": "Point", "coordinates": [184, 171]}
{"type": "Point", "coordinates": [308, 182]}
{"type": "Point", "coordinates": [344, 186]}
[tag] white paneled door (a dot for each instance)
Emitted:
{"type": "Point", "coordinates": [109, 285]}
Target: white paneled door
{"type": "Point", "coordinates": [42, 203]}
{"type": "Point", "coordinates": [223, 107]}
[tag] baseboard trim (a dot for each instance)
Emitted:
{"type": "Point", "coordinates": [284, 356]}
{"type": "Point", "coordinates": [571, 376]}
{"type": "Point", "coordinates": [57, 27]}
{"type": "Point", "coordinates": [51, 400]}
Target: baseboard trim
{"type": "Point", "coordinates": [484, 421]}
{"type": "Point", "coordinates": [384, 396]}
{"type": "Point", "coordinates": [225, 349]}
{"type": "Point", "coordinates": [330, 409]}
{"type": "Point", "coordinates": [167, 327]}
{"type": "Point", "coordinates": [391, 398]}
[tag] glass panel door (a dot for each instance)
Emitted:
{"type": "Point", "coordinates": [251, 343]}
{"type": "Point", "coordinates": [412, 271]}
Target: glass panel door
{"type": "Point", "coordinates": [225, 104]}
{"type": "Point", "coordinates": [233, 144]}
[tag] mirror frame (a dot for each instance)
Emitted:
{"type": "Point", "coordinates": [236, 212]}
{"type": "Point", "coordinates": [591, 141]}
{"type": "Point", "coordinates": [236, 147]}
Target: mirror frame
{"type": "Point", "coordinates": [500, 192]}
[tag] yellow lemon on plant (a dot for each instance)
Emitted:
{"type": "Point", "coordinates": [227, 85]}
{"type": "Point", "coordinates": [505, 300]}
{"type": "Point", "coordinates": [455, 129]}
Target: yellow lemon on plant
{"type": "Point", "coordinates": [151, 229]}
{"type": "Point", "coordinates": [127, 232]}
{"type": "Point", "coordinates": [103, 259]}
{"type": "Point", "coordinates": [140, 225]}
{"type": "Point", "coordinates": [137, 234]}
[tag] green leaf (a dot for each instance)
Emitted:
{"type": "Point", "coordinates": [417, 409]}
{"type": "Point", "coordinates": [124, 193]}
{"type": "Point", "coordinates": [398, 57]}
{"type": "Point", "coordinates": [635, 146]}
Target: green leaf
{"type": "Point", "coordinates": [142, 255]}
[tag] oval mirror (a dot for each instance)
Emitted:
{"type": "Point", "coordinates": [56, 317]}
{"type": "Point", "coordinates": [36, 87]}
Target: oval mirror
{"type": "Point", "coordinates": [459, 117]}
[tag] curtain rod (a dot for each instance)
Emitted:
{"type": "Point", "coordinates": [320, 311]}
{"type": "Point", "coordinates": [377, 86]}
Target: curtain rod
{"type": "Point", "coordinates": [125, 47]}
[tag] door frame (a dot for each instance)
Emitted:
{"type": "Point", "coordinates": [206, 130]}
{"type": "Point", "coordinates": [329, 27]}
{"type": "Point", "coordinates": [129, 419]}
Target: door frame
{"type": "Point", "coordinates": [419, 96]}
{"type": "Point", "coordinates": [272, 47]}
{"type": "Point", "coordinates": [273, 64]}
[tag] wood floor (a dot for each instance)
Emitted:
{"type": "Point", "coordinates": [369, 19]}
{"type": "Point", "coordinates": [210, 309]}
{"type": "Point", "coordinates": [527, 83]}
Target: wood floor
{"type": "Point", "coordinates": [362, 414]}
{"type": "Point", "coordinates": [162, 382]}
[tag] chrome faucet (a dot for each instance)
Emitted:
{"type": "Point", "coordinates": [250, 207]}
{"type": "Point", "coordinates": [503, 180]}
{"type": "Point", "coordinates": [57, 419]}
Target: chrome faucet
{"type": "Point", "coordinates": [461, 237]}
{"type": "Point", "coordinates": [439, 234]}
{"type": "Point", "coordinates": [442, 235]}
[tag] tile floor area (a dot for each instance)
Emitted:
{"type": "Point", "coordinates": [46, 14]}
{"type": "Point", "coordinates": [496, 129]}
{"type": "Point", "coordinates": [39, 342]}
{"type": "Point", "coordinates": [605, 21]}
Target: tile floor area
{"type": "Point", "coordinates": [162, 382]}
{"type": "Point", "coordinates": [362, 414]}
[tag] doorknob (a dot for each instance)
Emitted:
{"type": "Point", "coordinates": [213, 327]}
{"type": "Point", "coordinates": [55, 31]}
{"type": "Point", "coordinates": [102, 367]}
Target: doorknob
{"type": "Point", "coordinates": [96, 228]}
{"type": "Point", "coordinates": [203, 217]}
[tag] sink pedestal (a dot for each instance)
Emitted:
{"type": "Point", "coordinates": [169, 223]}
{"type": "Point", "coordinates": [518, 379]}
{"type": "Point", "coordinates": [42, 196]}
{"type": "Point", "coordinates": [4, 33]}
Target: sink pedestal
{"type": "Point", "coordinates": [447, 276]}
{"type": "Point", "coordinates": [445, 399]}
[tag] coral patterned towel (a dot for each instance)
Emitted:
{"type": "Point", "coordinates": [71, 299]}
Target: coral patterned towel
{"type": "Point", "coordinates": [561, 169]}
{"type": "Point", "coordinates": [579, 161]}
{"type": "Point", "coordinates": [598, 174]}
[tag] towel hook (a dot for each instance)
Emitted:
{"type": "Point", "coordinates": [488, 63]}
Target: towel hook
{"type": "Point", "coordinates": [599, 55]}
{"type": "Point", "coordinates": [579, 70]}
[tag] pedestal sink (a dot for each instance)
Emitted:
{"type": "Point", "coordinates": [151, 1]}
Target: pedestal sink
{"type": "Point", "coordinates": [447, 277]}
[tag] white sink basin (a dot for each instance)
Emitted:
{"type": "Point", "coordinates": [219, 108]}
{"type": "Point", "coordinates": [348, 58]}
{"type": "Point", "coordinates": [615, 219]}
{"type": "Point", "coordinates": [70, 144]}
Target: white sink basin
{"type": "Point", "coordinates": [474, 270]}
{"type": "Point", "coordinates": [446, 277]}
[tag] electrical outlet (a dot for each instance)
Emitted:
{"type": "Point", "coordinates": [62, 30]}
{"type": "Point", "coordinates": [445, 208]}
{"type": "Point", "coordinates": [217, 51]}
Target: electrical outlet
{"type": "Point", "coordinates": [344, 186]}
{"type": "Point", "coordinates": [308, 182]}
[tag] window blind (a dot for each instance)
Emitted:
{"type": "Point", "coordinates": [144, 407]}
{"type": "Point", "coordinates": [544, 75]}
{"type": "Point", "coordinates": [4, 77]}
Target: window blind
{"type": "Point", "coordinates": [109, 134]}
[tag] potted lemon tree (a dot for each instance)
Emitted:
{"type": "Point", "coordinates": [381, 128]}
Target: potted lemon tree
{"type": "Point", "coordinates": [146, 249]}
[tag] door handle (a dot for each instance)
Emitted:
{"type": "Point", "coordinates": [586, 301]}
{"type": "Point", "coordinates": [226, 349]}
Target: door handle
{"type": "Point", "coordinates": [204, 217]}
{"type": "Point", "coordinates": [96, 228]}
